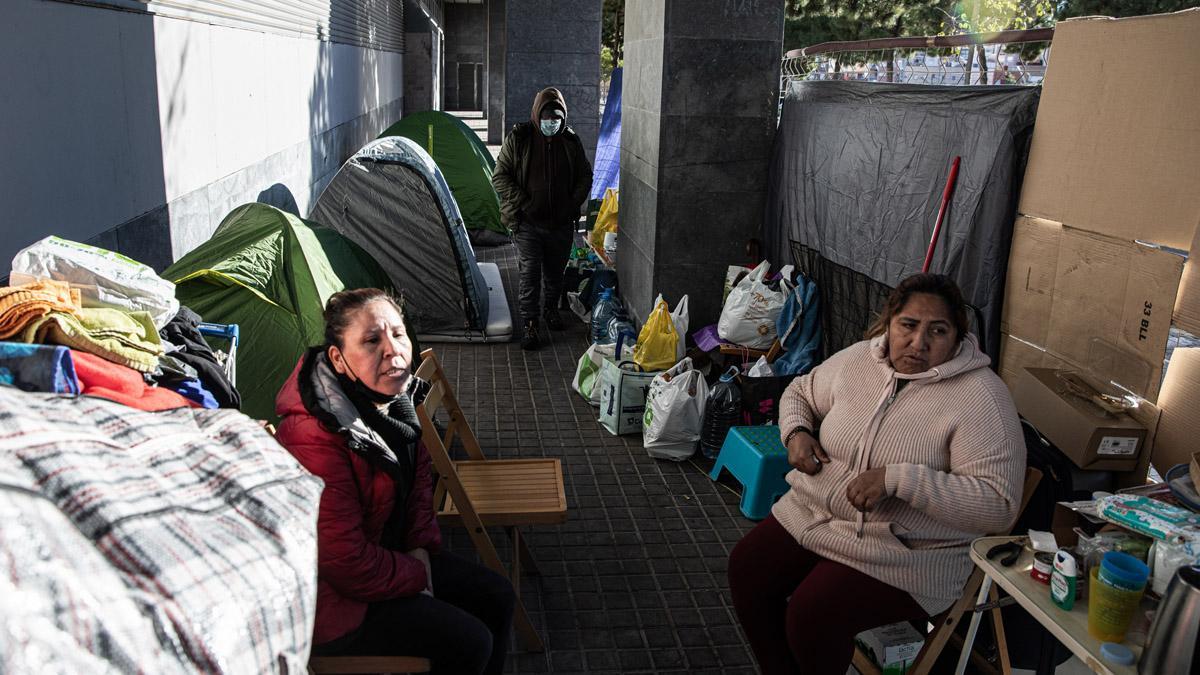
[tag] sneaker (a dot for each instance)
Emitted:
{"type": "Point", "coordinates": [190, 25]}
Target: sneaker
{"type": "Point", "coordinates": [530, 339]}
{"type": "Point", "coordinates": [553, 320]}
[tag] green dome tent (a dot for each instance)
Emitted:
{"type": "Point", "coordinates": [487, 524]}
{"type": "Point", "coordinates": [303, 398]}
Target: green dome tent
{"type": "Point", "coordinates": [271, 273]}
{"type": "Point", "coordinates": [465, 162]}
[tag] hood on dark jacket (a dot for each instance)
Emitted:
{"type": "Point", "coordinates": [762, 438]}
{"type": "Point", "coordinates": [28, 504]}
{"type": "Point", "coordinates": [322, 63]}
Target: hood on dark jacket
{"type": "Point", "coordinates": [545, 97]}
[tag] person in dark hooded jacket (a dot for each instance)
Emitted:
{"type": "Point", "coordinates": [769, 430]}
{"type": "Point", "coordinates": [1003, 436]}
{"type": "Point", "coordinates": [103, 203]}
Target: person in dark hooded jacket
{"type": "Point", "coordinates": [543, 177]}
{"type": "Point", "coordinates": [384, 586]}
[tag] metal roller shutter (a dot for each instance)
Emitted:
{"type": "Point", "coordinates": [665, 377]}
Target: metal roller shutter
{"type": "Point", "coordinates": [377, 24]}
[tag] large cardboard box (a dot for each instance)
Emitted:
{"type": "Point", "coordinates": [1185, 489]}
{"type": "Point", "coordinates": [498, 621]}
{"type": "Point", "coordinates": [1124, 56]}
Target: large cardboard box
{"type": "Point", "coordinates": [1092, 438]}
{"type": "Point", "coordinates": [1084, 300]}
{"type": "Point", "coordinates": [1179, 429]}
{"type": "Point", "coordinates": [1117, 141]}
{"type": "Point", "coordinates": [1187, 306]}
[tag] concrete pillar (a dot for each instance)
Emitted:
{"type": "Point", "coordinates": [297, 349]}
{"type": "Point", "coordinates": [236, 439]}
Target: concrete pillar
{"type": "Point", "coordinates": [497, 41]}
{"type": "Point", "coordinates": [554, 44]}
{"type": "Point", "coordinates": [418, 58]}
{"type": "Point", "coordinates": [699, 107]}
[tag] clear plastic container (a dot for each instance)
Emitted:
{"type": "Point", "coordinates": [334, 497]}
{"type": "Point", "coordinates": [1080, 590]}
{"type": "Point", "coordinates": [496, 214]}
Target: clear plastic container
{"type": "Point", "coordinates": [605, 309]}
{"type": "Point", "coordinates": [722, 410]}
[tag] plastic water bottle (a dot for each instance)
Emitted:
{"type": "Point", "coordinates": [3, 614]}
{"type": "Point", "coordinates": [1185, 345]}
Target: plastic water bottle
{"type": "Point", "coordinates": [602, 313]}
{"type": "Point", "coordinates": [722, 410]}
{"type": "Point", "coordinates": [620, 325]}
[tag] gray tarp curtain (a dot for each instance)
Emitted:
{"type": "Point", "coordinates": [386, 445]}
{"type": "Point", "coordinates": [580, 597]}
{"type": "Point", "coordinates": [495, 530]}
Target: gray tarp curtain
{"type": "Point", "coordinates": [857, 178]}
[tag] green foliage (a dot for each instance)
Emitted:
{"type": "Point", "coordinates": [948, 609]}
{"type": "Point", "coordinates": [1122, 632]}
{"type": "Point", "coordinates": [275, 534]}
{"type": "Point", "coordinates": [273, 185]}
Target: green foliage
{"type": "Point", "coordinates": [986, 16]}
{"type": "Point", "coordinates": [810, 22]}
{"type": "Point", "coordinates": [607, 63]}
{"type": "Point", "coordinates": [813, 21]}
{"type": "Point", "coordinates": [612, 31]}
{"type": "Point", "coordinates": [1072, 8]}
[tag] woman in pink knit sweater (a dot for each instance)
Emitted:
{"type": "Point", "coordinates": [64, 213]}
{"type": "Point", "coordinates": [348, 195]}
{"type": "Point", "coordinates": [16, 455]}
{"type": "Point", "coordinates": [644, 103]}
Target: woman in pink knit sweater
{"type": "Point", "coordinates": [906, 447]}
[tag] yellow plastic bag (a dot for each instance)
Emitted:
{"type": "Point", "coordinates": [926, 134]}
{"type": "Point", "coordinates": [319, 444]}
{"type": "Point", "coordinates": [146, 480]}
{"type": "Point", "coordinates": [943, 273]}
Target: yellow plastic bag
{"type": "Point", "coordinates": [607, 220]}
{"type": "Point", "coordinates": [658, 340]}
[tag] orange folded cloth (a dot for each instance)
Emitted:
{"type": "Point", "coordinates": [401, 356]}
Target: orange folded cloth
{"type": "Point", "coordinates": [22, 304]}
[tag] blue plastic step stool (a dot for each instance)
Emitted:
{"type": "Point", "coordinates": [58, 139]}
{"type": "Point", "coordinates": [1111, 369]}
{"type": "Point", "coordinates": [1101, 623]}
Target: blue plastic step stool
{"type": "Point", "coordinates": [756, 457]}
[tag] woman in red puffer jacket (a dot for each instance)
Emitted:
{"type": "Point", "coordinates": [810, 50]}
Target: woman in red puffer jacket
{"type": "Point", "coordinates": [384, 587]}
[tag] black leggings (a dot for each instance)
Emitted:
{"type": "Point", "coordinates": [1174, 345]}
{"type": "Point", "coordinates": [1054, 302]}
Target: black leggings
{"type": "Point", "coordinates": [463, 629]}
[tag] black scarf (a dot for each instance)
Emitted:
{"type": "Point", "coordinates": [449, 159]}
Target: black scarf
{"type": "Point", "coordinates": [400, 429]}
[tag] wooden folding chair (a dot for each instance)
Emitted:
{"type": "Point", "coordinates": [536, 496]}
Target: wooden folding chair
{"type": "Point", "coordinates": [945, 623]}
{"type": "Point", "coordinates": [478, 492]}
{"type": "Point", "coordinates": [367, 665]}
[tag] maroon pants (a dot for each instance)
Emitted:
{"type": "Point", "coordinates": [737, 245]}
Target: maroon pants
{"type": "Point", "coordinates": [801, 611]}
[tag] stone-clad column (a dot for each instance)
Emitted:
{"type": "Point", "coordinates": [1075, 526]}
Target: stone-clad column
{"type": "Point", "coordinates": [495, 71]}
{"type": "Point", "coordinates": [554, 43]}
{"type": "Point", "coordinates": [700, 101]}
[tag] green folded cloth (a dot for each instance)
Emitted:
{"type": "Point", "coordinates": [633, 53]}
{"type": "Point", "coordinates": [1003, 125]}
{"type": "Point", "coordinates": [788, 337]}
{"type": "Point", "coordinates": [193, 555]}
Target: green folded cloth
{"type": "Point", "coordinates": [127, 338]}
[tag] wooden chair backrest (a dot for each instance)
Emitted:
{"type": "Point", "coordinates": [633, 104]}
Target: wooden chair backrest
{"type": "Point", "coordinates": [441, 397]}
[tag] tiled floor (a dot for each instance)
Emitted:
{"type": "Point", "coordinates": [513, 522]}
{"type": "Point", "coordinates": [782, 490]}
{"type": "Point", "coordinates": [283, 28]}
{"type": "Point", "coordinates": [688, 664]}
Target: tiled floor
{"type": "Point", "coordinates": [634, 582]}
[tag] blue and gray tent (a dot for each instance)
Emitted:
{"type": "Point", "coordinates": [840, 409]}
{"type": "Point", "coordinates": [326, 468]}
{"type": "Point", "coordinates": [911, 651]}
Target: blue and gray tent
{"type": "Point", "coordinates": [391, 199]}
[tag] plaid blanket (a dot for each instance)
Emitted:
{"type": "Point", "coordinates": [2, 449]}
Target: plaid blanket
{"type": "Point", "coordinates": [173, 542]}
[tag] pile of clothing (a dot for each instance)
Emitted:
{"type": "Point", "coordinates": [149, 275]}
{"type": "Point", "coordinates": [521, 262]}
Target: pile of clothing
{"type": "Point", "coordinates": [82, 320]}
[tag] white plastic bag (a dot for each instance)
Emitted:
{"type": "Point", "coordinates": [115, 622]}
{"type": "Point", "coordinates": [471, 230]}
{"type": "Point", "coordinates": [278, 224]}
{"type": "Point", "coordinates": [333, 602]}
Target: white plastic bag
{"type": "Point", "coordinates": [750, 313]}
{"type": "Point", "coordinates": [674, 412]}
{"type": "Point", "coordinates": [104, 278]}
{"type": "Point", "coordinates": [761, 368]}
{"type": "Point", "coordinates": [679, 316]}
{"type": "Point", "coordinates": [587, 371]}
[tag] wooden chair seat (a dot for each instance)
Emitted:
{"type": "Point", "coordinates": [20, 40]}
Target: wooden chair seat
{"type": "Point", "coordinates": [508, 492]}
{"type": "Point", "coordinates": [367, 665]}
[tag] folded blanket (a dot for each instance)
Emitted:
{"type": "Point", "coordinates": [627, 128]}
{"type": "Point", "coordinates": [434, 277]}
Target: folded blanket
{"type": "Point", "coordinates": [44, 368]}
{"type": "Point", "coordinates": [103, 378]}
{"type": "Point", "coordinates": [22, 304]}
{"type": "Point", "coordinates": [127, 338]}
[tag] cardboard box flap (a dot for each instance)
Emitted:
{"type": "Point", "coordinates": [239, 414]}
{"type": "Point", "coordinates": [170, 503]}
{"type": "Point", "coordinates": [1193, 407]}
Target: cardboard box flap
{"type": "Point", "coordinates": [1187, 305]}
{"type": "Point", "coordinates": [1100, 303]}
{"type": "Point", "coordinates": [1179, 428]}
{"type": "Point", "coordinates": [1117, 139]}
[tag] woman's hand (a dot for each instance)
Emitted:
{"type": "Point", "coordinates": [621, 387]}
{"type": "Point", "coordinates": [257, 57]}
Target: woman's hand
{"type": "Point", "coordinates": [423, 555]}
{"type": "Point", "coordinates": [868, 489]}
{"type": "Point", "coordinates": [805, 453]}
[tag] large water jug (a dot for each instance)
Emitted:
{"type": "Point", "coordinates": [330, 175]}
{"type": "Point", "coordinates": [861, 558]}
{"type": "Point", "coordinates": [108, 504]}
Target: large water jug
{"type": "Point", "coordinates": [722, 410]}
{"type": "Point", "coordinates": [603, 312]}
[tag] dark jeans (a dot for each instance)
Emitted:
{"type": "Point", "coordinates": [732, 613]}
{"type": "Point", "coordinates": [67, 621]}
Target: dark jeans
{"type": "Point", "coordinates": [463, 629]}
{"type": "Point", "coordinates": [543, 255]}
{"type": "Point", "coordinates": [801, 611]}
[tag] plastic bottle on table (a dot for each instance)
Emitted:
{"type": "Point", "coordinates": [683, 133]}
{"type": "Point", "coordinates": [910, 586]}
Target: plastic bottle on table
{"type": "Point", "coordinates": [602, 312]}
{"type": "Point", "coordinates": [722, 410]}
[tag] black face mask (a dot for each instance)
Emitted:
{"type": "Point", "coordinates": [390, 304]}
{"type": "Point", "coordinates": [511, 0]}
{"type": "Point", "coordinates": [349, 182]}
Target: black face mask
{"type": "Point", "coordinates": [355, 388]}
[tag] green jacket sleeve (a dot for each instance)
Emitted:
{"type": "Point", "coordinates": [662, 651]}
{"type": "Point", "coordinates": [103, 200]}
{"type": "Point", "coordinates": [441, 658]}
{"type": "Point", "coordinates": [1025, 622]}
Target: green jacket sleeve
{"type": "Point", "coordinates": [505, 180]}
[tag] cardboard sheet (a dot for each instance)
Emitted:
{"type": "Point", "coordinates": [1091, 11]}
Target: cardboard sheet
{"type": "Point", "coordinates": [1179, 429]}
{"type": "Point", "coordinates": [1117, 140]}
{"type": "Point", "coordinates": [1097, 303]}
{"type": "Point", "coordinates": [1187, 306]}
